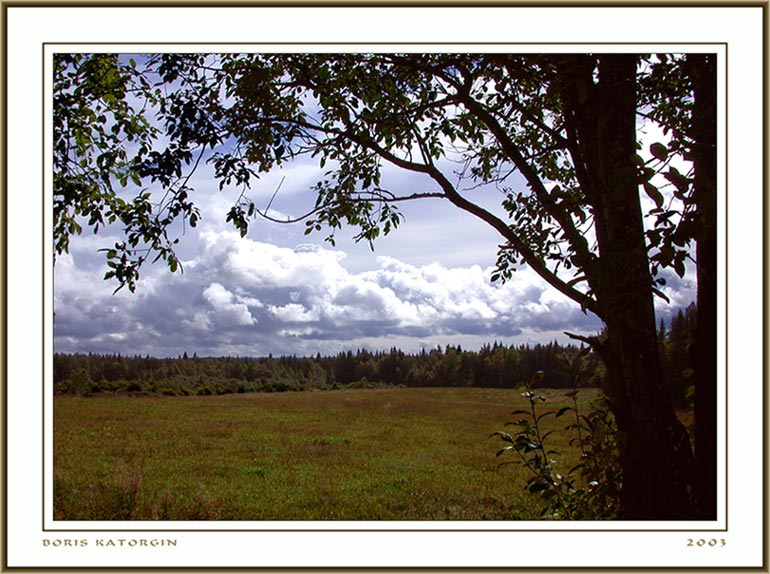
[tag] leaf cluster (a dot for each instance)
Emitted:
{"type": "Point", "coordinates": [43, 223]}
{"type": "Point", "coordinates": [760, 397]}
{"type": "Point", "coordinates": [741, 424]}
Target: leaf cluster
{"type": "Point", "coordinates": [108, 167]}
{"type": "Point", "coordinates": [125, 127]}
{"type": "Point", "coordinates": [589, 490]}
{"type": "Point", "coordinates": [667, 99]}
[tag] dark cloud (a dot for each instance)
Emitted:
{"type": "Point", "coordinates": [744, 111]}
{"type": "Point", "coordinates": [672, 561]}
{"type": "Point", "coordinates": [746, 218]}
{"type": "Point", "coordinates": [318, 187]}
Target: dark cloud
{"type": "Point", "coordinates": [243, 297]}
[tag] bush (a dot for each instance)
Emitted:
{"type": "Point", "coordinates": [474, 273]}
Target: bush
{"type": "Point", "coordinates": [280, 387]}
{"type": "Point", "coordinates": [134, 386]}
{"type": "Point", "coordinates": [591, 489]}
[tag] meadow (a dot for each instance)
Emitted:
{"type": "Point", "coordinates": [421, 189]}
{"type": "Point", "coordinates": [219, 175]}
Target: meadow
{"type": "Point", "coordinates": [354, 454]}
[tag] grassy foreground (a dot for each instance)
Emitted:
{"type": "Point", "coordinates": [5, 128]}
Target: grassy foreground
{"type": "Point", "coordinates": [389, 454]}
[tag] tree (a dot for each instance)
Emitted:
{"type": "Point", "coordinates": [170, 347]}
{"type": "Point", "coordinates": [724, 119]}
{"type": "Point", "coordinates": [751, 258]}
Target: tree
{"type": "Point", "coordinates": [680, 94]}
{"type": "Point", "coordinates": [702, 71]}
{"type": "Point", "coordinates": [567, 124]}
{"type": "Point", "coordinates": [678, 341]}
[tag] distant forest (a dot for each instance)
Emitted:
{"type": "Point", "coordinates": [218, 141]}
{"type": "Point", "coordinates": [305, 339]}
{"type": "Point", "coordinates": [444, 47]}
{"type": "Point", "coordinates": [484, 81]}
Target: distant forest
{"type": "Point", "coordinates": [494, 365]}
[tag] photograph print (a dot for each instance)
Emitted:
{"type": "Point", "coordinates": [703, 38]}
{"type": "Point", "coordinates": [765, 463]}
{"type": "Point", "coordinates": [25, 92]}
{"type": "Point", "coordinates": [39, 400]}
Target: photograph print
{"type": "Point", "coordinates": [385, 286]}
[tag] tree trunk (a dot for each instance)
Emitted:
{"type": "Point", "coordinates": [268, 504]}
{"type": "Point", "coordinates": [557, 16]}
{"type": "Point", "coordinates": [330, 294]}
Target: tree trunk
{"type": "Point", "coordinates": [656, 457]}
{"type": "Point", "coordinates": [702, 70]}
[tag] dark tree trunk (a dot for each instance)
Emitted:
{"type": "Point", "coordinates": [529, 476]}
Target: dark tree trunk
{"type": "Point", "coordinates": [702, 70]}
{"type": "Point", "coordinates": [656, 457]}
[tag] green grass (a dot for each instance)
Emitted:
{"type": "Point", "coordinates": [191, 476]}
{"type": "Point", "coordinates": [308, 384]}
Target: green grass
{"type": "Point", "coordinates": [390, 454]}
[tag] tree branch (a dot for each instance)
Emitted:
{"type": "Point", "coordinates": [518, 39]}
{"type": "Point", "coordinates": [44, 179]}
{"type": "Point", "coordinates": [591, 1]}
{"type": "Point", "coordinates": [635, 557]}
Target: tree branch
{"type": "Point", "coordinates": [592, 341]}
{"type": "Point", "coordinates": [583, 255]}
{"type": "Point", "coordinates": [450, 193]}
{"type": "Point", "coordinates": [538, 266]}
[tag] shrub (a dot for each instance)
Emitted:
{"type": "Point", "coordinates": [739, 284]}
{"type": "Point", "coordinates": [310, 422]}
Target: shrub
{"type": "Point", "coordinates": [590, 490]}
{"type": "Point", "coordinates": [134, 386]}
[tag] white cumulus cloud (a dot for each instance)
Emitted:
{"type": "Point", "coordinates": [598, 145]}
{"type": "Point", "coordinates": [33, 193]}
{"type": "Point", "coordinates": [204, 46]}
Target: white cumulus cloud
{"type": "Point", "coordinates": [226, 306]}
{"type": "Point", "coordinates": [246, 297]}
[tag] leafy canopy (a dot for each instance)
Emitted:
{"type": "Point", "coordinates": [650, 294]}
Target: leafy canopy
{"type": "Point", "coordinates": [129, 133]}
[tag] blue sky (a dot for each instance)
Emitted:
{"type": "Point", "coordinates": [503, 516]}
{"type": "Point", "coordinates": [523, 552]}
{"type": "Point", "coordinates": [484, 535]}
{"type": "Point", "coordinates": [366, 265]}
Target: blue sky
{"type": "Point", "coordinates": [281, 292]}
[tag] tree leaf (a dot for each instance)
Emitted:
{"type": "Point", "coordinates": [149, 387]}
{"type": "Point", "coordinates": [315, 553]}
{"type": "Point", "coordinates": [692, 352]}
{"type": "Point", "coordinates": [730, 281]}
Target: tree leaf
{"type": "Point", "coordinates": [504, 449]}
{"type": "Point", "coordinates": [653, 193]}
{"type": "Point", "coordinates": [659, 151]}
{"type": "Point", "coordinates": [503, 435]}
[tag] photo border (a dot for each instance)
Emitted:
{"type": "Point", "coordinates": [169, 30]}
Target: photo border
{"type": "Point", "coordinates": [46, 355]}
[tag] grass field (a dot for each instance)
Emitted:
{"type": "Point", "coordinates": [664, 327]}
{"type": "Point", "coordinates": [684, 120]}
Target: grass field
{"type": "Point", "coordinates": [390, 454]}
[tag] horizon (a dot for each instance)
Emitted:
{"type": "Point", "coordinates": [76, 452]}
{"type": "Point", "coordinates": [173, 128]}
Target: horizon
{"type": "Point", "coordinates": [571, 343]}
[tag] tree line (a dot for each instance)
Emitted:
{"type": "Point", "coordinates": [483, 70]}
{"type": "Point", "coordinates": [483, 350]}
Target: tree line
{"type": "Point", "coordinates": [493, 366]}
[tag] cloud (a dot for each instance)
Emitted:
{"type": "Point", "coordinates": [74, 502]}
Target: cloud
{"type": "Point", "coordinates": [239, 296]}
{"type": "Point", "coordinates": [293, 313]}
{"type": "Point", "coordinates": [226, 306]}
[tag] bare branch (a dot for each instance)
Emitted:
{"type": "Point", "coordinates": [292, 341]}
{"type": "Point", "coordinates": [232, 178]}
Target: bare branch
{"type": "Point", "coordinates": [378, 196]}
{"type": "Point", "coordinates": [592, 341]}
{"type": "Point", "coordinates": [277, 189]}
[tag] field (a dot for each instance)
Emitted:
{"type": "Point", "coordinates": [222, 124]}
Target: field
{"type": "Point", "coordinates": [377, 454]}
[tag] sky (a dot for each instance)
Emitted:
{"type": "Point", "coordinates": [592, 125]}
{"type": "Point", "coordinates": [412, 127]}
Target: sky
{"type": "Point", "coordinates": [277, 291]}
{"type": "Point", "coordinates": [280, 292]}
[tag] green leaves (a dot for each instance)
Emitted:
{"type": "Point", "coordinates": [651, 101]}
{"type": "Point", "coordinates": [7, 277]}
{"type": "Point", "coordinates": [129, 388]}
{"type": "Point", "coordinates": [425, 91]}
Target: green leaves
{"type": "Point", "coordinates": [230, 168]}
{"type": "Point", "coordinates": [590, 489]}
{"type": "Point", "coordinates": [681, 183]}
{"type": "Point", "coordinates": [106, 149]}
{"type": "Point", "coordinates": [237, 216]}
{"type": "Point", "coordinates": [659, 151]}
{"type": "Point", "coordinates": [653, 193]}
{"type": "Point", "coordinates": [245, 114]}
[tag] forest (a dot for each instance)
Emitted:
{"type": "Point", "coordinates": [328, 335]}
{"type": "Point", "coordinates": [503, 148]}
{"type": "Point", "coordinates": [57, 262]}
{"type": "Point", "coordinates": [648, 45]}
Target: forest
{"type": "Point", "coordinates": [493, 366]}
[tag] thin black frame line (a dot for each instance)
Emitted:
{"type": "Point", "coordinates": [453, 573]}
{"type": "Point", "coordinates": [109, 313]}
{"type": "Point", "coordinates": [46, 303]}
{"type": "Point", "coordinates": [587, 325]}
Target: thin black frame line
{"type": "Point", "coordinates": [44, 45]}
{"type": "Point", "coordinates": [389, 530]}
{"type": "Point", "coordinates": [369, 43]}
{"type": "Point", "coordinates": [436, 569]}
{"type": "Point", "coordinates": [43, 242]}
{"type": "Point", "coordinates": [4, 256]}
{"type": "Point", "coordinates": [766, 235]}
{"type": "Point", "coordinates": [446, 4]}
{"type": "Point", "coordinates": [765, 276]}
{"type": "Point", "coordinates": [727, 282]}
{"type": "Point", "coordinates": [407, 530]}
